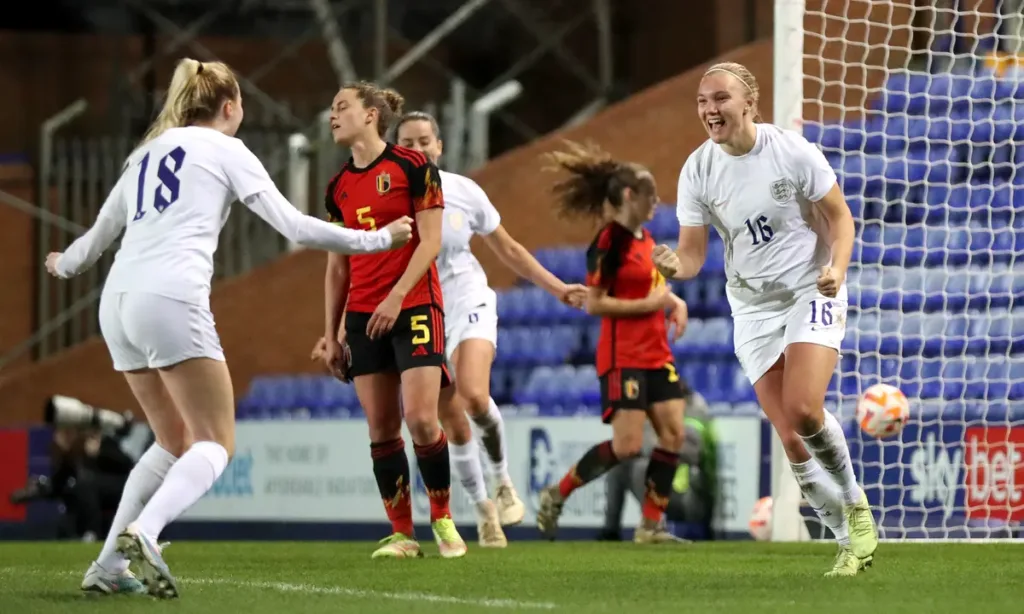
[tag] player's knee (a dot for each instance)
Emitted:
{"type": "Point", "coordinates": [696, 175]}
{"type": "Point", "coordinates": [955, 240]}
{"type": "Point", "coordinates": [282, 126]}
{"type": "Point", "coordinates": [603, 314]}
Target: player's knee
{"type": "Point", "coordinates": [423, 424]}
{"type": "Point", "coordinates": [478, 400]}
{"type": "Point", "coordinates": [627, 445]}
{"type": "Point", "coordinates": [455, 423]}
{"type": "Point", "coordinates": [671, 436]}
{"type": "Point", "coordinates": [804, 416]}
{"type": "Point", "coordinates": [384, 425]}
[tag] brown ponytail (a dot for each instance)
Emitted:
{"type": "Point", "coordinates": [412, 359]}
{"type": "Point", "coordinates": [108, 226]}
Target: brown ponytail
{"type": "Point", "coordinates": [388, 102]}
{"type": "Point", "coordinates": [595, 178]}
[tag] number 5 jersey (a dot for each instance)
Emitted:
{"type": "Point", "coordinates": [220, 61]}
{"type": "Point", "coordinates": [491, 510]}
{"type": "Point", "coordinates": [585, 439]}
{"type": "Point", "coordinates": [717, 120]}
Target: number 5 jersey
{"type": "Point", "coordinates": [399, 182]}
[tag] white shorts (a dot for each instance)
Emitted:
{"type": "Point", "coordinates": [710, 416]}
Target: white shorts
{"type": "Point", "coordinates": [814, 318]}
{"type": "Point", "coordinates": [477, 320]}
{"type": "Point", "coordinates": [144, 330]}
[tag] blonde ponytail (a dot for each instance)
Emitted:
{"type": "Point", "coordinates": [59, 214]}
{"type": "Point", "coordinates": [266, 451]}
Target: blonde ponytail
{"type": "Point", "coordinates": [197, 91]}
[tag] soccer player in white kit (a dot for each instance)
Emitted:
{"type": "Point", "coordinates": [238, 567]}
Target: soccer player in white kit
{"type": "Point", "coordinates": [471, 323]}
{"type": "Point", "coordinates": [172, 201]}
{"type": "Point", "coordinates": [788, 236]}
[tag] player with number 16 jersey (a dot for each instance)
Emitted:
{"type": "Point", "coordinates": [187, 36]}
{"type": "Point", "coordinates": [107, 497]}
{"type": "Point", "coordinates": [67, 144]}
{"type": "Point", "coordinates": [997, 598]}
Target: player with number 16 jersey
{"type": "Point", "coordinates": [788, 236]}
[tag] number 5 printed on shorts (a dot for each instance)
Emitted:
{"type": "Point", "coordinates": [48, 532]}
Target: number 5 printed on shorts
{"type": "Point", "coordinates": [167, 175]}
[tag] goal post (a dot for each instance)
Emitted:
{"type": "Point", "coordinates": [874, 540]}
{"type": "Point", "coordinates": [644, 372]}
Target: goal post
{"type": "Point", "coordinates": [920, 109]}
{"type": "Point", "coordinates": [787, 105]}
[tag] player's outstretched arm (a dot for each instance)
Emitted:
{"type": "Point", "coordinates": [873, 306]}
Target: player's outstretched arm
{"type": "Point", "coordinates": [428, 224]}
{"type": "Point", "coordinates": [308, 231]}
{"type": "Point", "coordinates": [600, 304]}
{"type": "Point", "coordinates": [517, 258]}
{"type": "Point", "coordinates": [88, 248]}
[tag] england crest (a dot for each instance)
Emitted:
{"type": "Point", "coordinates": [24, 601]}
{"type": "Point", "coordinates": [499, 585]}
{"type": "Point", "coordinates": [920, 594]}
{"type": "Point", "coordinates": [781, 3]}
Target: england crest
{"type": "Point", "coordinates": [782, 190]}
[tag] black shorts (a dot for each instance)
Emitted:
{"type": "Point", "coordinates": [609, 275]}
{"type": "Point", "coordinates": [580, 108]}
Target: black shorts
{"type": "Point", "coordinates": [639, 389]}
{"type": "Point", "coordinates": [416, 340]}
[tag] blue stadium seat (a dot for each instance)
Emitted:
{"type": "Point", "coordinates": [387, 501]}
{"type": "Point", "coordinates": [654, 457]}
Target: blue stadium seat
{"type": "Point", "coordinates": [715, 301]}
{"type": "Point", "coordinates": [664, 226]}
{"type": "Point", "coordinates": [896, 331]}
{"type": "Point", "coordinates": [991, 245]}
{"type": "Point", "coordinates": [714, 261]}
{"type": "Point", "coordinates": [1016, 379]}
{"type": "Point", "coordinates": [903, 245]}
{"type": "Point", "coordinates": [691, 343]}
{"type": "Point", "coordinates": [742, 391]}
{"type": "Point", "coordinates": [510, 306]}
{"type": "Point", "coordinates": [587, 385]}
{"type": "Point", "coordinates": [949, 129]}
{"type": "Point", "coordinates": [718, 380]}
{"type": "Point", "coordinates": [567, 263]}
{"type": "Point", "coordinates": [828, 136]}
{"type": "Point", "coordinates": [591, 335]}
{"type": "Point", "coordinates": [718, 339]}
{"type": "Point", "coordinates": [506, 348]}
{"type": "Point", "coordinates": [540, 388]}
{"type": "Point", "coordinates": [905, 92]}
{"type": "Point", "coordinates": [499, 383]}
{"type": "Point", "coordinates": [868, 244]}
{"type": "Point", "coordinates": [944, 203]}
{"type": "Point", "coordinates": [863, 174]}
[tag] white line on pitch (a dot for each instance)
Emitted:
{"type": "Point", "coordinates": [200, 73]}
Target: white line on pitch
{"type": "Point", "coordinates": [286, 587]}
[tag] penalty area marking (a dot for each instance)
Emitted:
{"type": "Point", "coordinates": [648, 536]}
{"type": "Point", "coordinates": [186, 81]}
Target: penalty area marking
{"type": "Point", "coordinates": [288, 587]}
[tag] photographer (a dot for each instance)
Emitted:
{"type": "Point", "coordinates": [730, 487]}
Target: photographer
{"type": "Point", "coordinates": [92, 453]}
{"type": "Point", "coordinates": [694, 488]}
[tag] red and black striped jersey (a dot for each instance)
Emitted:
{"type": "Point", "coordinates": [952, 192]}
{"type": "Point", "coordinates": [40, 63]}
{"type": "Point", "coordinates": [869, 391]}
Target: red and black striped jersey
{"type": "Point", "coordinates": [623, 265]}
{"type": "Point", "coordinates": [399, 182]}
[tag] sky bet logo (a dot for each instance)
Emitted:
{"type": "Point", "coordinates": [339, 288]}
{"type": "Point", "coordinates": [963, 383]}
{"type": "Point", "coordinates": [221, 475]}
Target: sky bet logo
{"type": "Point", "coordinates": [995, 472]}
{"type": "Point", "coordinates": [236, 481]}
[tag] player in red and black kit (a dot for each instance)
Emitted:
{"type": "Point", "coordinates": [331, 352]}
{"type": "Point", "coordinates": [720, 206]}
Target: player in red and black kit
{"type": "Point", "coordinates": [634, 360]}
{"type": "Point", "coordinates": [384, 324]}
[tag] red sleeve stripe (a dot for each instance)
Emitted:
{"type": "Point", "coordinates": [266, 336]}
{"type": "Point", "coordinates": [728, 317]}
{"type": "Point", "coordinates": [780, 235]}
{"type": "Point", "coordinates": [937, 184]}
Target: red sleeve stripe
{"type": "Point", "coordinates": [417, 158]}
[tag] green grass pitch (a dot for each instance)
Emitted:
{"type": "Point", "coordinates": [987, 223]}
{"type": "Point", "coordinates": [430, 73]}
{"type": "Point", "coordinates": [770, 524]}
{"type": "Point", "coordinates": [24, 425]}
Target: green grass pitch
{"type": "Point", "coordinates": [741, 577]}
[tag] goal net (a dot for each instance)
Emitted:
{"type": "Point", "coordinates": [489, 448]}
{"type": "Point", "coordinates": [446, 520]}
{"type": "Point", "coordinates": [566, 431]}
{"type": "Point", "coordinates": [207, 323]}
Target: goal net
{"type": "Point", "coordinates": [919, 106]}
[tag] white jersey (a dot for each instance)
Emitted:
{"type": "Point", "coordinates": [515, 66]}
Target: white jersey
{"type": "Point", "coordinates": [172, 201]}
{"type": "Point", "coordinates": [467, 211]}
{"type": "Point", "coordinates": [761, 203]}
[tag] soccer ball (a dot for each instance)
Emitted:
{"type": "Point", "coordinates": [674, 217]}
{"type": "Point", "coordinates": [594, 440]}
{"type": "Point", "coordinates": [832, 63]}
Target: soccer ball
{"type": "Point", "coordinates": [761, 520]}
{"type": "Point", "coordinates": [882, 411]}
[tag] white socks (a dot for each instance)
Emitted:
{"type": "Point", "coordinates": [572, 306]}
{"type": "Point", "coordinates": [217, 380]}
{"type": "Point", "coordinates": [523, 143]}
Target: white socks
{"type": "Point", "coordinates": [187, 481]}
{"type": "Point", "coordinates": [821, 493]}
{"type": "Point", "coordinates": [144, 480]}
{"type": "Point", "coordinates": [466, 459]}
{"type": "Point", "coordinates": [493, 438]}
{"type": "Point", "coordinates": [829, 447]}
